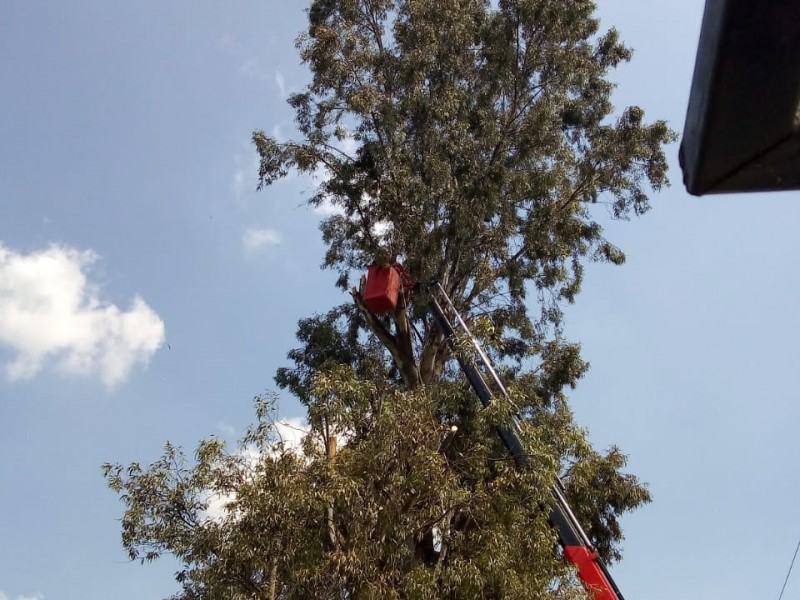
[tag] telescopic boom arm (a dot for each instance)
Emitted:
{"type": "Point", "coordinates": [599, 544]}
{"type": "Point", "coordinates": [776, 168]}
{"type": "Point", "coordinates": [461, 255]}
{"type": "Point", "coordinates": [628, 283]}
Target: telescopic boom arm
{"type": "Point", "coordinates": [577, 548]}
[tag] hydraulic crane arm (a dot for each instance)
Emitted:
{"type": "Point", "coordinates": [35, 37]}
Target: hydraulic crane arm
{"type": "Point", "coordinates": [577, 548]}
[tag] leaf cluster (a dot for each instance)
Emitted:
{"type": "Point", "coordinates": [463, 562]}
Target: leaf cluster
{"type": "Point", "coordinates": [394, 514]}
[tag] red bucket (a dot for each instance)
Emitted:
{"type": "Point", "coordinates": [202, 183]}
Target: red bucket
{"type": "Point", "coordinates": [382, 289]}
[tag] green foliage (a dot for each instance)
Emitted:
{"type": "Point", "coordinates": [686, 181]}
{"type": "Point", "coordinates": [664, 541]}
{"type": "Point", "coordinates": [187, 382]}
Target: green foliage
{"type": "Point", "coordinates": [487, 151]}
{"type": "Point", "coordinates": [485, 139]}
{"type": "Point", "coordinates": [361, 526]}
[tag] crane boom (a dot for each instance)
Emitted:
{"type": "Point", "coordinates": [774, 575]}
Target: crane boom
{"type": "Point", "coordinates": [577, 548]}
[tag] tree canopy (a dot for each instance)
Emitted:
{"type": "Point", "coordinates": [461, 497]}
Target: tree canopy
{"type": "Point", "coordinates": [474, 142]}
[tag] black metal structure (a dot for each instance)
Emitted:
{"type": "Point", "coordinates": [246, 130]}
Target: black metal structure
{"type": "Point", "coordinates": [742, 131]}
{"type": "Point", "coordinates": [577, 547]}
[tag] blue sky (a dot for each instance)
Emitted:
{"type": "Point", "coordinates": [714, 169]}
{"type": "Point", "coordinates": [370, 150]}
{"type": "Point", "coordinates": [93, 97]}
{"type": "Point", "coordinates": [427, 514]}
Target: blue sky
{"type": "Point", "coordinates": [127, 200]}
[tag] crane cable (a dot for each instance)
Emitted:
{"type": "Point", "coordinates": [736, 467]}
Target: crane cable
{"type": "Point", "coordinates": [785, 581]}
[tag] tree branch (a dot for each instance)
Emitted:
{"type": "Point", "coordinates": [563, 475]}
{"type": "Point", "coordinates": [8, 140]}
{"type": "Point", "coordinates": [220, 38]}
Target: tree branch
{"type": "Point", "coordinates": [408, 369]}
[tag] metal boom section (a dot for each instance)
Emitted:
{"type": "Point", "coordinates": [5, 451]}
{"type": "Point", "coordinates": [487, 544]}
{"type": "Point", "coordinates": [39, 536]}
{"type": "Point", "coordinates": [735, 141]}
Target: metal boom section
{"type": "Point", "coordinates": [577, 547]}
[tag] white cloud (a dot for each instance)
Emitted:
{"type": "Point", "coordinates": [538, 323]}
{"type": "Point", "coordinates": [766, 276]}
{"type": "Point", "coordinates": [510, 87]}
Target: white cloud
{"type": "Point", "coordinates": [327, 208]}
{"type": "Point", "coordinates": [226, 428]}
{"type": "Point", "coordinates": [381, 228]}
{"type": "Point", "coordinates": [281, 83]}
{"type": "Point", "coordinates": [251, 69]}
{"type": "Point", "coordinates": [289, 435]}
{"type": "Point", "coordinates": [238, 181]}
{"type": "Point", "coordinates": [255, 238]}
{"type": "Point", "coordinates": [50, 312]}
{"type": "Point", "coordinates": [244, 177]}
{"type": "Point", "coordinates": [217, 506]}
{"type": "Point", "coordinates": [3, 596]}
{"type": "Point", "coordinates": [348, 145]}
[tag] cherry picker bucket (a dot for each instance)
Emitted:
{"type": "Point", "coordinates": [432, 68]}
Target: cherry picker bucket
{"type": "Point", "coordinates": [383, 288]}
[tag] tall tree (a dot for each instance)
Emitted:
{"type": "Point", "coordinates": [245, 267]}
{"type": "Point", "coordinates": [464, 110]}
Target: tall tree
{"type": "Point", "coordinates": [474, 142]}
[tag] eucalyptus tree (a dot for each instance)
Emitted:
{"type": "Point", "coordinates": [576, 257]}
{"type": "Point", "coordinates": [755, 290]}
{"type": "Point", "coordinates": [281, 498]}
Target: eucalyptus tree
{"type": "Point", "coordinates": [476, 143]}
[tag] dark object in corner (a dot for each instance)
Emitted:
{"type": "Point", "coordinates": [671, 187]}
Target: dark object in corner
{"type": "Point", "coordinates": [742, 129]}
